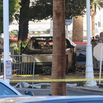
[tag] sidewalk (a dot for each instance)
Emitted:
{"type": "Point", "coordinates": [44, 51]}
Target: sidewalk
{"type": "Point", "coordinates": [87, 88]}
{"type": "Point", "coordinates": [95, 89]}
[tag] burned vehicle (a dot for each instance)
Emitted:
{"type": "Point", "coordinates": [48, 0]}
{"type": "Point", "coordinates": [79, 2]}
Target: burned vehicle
{"type": "Point", "coordinates": [40, 47]}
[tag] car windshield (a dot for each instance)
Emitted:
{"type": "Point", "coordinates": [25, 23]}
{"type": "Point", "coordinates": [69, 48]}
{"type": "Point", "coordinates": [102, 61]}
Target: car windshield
{"type": "Point", "coordinates": [42, 45]}
{"type": "Point", "coordinates": [4, 90]}
{"type": "Point", "coordinates": [42, 42]}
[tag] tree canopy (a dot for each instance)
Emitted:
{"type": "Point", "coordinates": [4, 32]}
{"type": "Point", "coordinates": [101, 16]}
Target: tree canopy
{"type": "Point", "coordinates": [42, 9]}
{"type": "Point", "coordinates": [14, 5]}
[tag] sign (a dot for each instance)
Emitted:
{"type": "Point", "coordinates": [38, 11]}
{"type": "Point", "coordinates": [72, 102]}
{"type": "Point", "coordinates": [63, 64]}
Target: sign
{"type": "Point", "coordinates": [98, 51]}
{"type": "Point", "coordinates": [68, 21]}
{"type": "Point", "coordinates": [8, 69]}
{"type": "Point", "coordinates": [98, 54]}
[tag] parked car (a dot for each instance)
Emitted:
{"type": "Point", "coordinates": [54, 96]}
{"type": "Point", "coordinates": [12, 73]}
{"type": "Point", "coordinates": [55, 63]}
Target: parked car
{"type": "Point", "coordinates": [54, 99]}
{"type": "Point", "coordinates": [81, 56]}
{"type": "Point", "coordinates": [7, 90]}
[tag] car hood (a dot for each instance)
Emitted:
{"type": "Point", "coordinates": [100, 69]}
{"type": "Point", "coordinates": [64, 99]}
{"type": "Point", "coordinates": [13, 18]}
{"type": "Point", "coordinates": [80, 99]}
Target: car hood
{"type": "Point", "coordinates": [53, 99]}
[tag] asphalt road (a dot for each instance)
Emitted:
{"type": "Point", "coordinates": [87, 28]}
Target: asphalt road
{"type": "Point", "coordinates": [70, 91]}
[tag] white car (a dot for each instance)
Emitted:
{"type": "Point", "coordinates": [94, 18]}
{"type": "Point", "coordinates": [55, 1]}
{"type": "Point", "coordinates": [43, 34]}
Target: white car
{"type": "Point", "coordinates": [7, 90]}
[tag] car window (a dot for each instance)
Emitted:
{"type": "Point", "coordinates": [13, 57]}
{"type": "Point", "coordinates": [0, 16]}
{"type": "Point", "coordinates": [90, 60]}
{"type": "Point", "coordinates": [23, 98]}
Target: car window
{"type": "Point", "coordinates": [46, 43]}
{"type": "Point", "coordinates": [4, 90]}
{"type": "Point", "coordinates": [42, 45]}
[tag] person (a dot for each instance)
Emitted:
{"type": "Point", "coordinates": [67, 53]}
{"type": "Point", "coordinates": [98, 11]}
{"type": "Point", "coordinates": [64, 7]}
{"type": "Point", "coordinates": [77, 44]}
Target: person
{"type": "Point", "coordinates": [101, 37]}
{"type": "Point", "coordinates": [97, 37]}
{"type": "Point", "coordinates": [95, 40]}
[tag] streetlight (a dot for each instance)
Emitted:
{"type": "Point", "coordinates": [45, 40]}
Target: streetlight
{"type": "Point", "coordinates": [89, 61]}
{"type": "Point", "coordinates": [6, 54]}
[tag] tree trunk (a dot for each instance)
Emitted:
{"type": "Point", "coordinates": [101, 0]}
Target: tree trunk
{"type": "Point", "coordinates": [93, 13]}
{"type": "Point", "coordinates": [77, 29]}
{"type": "Point", "coordinates": [23, 20]}
{"type": "Point", "coordinates": [59, 55]}
{"type": "Point", "coordinates": [93, 25]}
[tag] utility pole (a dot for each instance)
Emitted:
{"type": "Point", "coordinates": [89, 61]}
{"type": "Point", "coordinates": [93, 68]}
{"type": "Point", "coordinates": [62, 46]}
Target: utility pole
{"type": "Point", "coordinates": [89, 57]}
{"type": "Point", "coordinates": [59, 55]}
{"type": "Point", "coordinates": [6, 54]}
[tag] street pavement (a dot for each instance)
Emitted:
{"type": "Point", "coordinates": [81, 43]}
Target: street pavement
{"type": "Point", "coordinates": [72, 90]}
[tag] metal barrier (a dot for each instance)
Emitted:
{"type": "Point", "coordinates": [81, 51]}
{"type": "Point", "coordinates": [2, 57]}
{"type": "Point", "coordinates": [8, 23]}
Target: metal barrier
{"type": "Point", "coordinates": [22, 65]}
{"type": "Point", "coordinates": [24, 70]}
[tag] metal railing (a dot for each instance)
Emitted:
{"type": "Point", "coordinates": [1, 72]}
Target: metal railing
{"type": "Point", "coordinates": [22, 66]}
{"type": "Point", "coordinates": [24, 69]}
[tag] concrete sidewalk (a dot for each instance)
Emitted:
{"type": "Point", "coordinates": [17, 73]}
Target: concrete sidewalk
{"type": "Point", "coordinates": [95, 89]}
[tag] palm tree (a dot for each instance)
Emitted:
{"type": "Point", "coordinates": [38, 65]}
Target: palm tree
{"type": "Point", "coordinates": [59, 56]}
{"type": "Point", "coordinates": [93, 13]}
{"type": "Point", "coordinates": [78, 21]}
{"type": "Point", "coordinates": [96, 4]}
{"type": "Point", "coordinates": [77, 28]}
